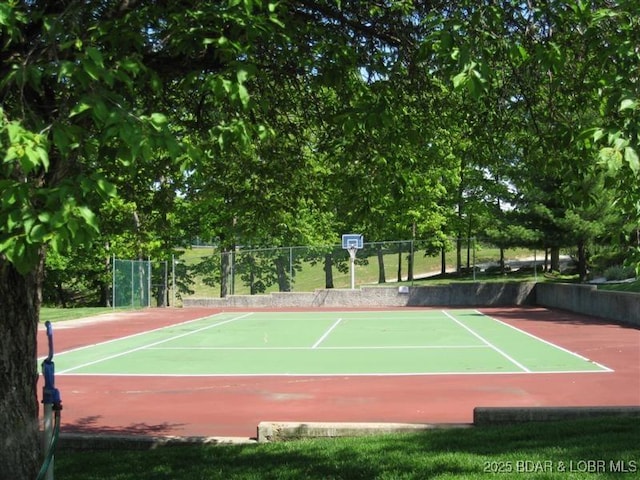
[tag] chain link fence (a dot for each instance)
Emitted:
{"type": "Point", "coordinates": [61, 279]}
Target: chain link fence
{"type": "Point", "coordinates": [202, 272]}
{"type": "Point", "coordinates": [131, 285]}
{"type": "Point", "coordinates": [215, 273]}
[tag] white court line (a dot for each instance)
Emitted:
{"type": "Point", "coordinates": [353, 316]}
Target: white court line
{"type": "Point", "coordinates": [385, 347]}
{"type": "Point", "coordinates": [326, 334]}
{"type": "Point", "coordinates": [545, 341]}
{"type": "Point", "coordinates": [481, 338]}
{"type": "Point", "coordinates": [175, 337]}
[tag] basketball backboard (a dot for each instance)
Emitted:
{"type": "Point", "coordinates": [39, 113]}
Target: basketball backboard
{"type": "Point", "coordinates": [352, 240]}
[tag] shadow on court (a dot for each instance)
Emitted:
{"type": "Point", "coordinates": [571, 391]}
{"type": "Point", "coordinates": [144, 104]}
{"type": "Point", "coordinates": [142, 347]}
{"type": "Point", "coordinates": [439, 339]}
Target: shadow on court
{"type": "Point", "coordinates": [92, 426]}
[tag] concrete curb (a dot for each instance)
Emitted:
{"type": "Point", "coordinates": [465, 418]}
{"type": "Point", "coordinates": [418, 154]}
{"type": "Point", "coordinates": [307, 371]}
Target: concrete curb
{"type": "Point", "coordinates": [510, 415]}
{"type": "Point", "coordinates": [283, 431]}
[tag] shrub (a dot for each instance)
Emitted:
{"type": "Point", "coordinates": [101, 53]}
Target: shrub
{"type": "Point", "coordinates": [618, 272]}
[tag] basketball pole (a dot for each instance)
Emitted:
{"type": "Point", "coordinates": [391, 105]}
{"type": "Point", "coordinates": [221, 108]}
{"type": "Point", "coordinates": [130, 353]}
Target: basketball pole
{"type": "Point", "coordinates": [352, 254]}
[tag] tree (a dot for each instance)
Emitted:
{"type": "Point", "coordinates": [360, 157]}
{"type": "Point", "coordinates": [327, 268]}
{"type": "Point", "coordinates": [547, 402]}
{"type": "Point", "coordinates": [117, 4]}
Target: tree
{"type": "Point", "coordinates": [546, 58]}
{"type": "Point", "coordinates": [80, 82]}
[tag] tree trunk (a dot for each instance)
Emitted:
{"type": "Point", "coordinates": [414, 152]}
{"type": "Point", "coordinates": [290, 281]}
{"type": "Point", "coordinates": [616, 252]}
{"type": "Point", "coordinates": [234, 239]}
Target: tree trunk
{"type": "Point", "coordinates": [546, 260]}
{"type": "Point", "coordinates": [382, 278]}
{"type": "Point", "coordinates": [410, 265]}
{"type": "Point", "coordinates": [253, 290]}
{"type": "Point", "coordinates": [284, 283]}
{"type": "Point", "coordinates": [555, 259]}
{"type": "Point", "coordinates": [105, 292]}
{"type": "Point", "coordinates": [20, 446]}
{"type": "Point", "coordinates": [582, 261]}
{"type": "Point", "coordinates": [328, 270]}
{"type": "Point", "coordinates": [225, 273]}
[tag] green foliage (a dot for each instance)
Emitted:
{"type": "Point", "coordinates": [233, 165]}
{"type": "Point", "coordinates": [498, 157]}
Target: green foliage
{"type": "Point", "coordinates": [400, 129]}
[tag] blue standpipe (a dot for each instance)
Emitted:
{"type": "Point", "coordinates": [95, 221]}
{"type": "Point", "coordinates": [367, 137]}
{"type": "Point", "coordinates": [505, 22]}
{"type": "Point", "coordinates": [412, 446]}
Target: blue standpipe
{"type": "Point", "coordinates": [52, 408]}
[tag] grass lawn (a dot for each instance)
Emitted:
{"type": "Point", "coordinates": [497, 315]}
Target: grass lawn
{"type": "Point", "coordinates": [596, 448]}
{"type": "Point", "coordinates": [622, 287]}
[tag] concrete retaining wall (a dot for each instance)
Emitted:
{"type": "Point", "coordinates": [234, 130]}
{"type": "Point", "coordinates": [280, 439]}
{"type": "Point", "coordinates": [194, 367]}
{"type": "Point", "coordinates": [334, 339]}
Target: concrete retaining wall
{"type": "Point", "coordinates": [461, 294]}
{"type": "Point", "coordinates": [623, 307]}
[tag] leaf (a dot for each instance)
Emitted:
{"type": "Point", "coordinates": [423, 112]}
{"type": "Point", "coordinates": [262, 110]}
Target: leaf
{"type": "Point", "coordinates": [631, 156]}
{"type": "Point", "coordinates": [158, 120]}
{"type": "Point", "coordinates": [96, 56]}
{"type": "Point", "coordinates": [460, 80]}
{"type": "Point", "coordinates": [37, 234]}
{"type": "Point", "coordinates": [106, 188]}
{"type": "Point", "coordinates": [611, 159]}
{"type": "Point", "coordinates": [523, 52]}
{"type": "Point", "coordinates": [243, 94]}
{"type": "Point", "coordinates": [89, 217]}
{"type": "Point", "coordinates": [242, 75]}
{"type": "Point", "coordinates": [79, 108]}
{"type": "Point", "coordinates": [628, 104]}
{"type": "Point", "coordinates": [91, 69]}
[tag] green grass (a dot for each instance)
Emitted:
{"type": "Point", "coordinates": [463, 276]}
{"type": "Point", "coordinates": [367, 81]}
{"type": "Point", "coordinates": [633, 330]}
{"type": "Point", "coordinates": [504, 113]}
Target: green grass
{"type": "Point", "coordinates": [60, 314]}
{"type": "Point", "coordinates": [622, 287]}
{"type": "Point", "coordinates": [585, 449]}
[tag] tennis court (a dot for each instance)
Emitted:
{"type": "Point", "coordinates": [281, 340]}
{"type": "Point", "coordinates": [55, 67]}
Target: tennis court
{"type": "Point", "coordinates": [207, 372]}
{"type": "Point", "coordinates": [328, 343]}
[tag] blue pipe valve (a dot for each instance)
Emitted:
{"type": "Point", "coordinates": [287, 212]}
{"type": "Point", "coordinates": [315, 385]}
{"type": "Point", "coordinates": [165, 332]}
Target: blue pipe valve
{"type": "Point", "coordinates": [50, 394]}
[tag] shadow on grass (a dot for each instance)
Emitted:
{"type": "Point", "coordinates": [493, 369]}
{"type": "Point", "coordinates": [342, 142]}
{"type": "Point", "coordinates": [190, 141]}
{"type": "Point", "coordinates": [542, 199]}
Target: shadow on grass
{"type": "Point", "coordinates": [469, 453]}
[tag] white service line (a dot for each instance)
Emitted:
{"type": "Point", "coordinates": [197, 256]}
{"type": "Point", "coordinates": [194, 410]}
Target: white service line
{"type": "Point", "coordinates": [380, 347]}
{"type": "Point", "coordinates": [175, 337]}
{"type": "Point", "coordinates": [485, 341]}
{"type": "Point", "coordinates": [326, 334]}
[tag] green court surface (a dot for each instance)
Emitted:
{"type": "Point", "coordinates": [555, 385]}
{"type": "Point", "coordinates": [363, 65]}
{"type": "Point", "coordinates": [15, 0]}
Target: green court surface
{"type": "Point", "coordinates": [328, 343]}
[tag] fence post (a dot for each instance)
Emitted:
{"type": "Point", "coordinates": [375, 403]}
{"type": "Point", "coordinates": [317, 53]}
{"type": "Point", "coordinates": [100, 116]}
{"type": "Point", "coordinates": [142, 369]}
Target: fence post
{"type": "Point", "coordinates": [113, 281]}
{"type": "Point", "coordinates": [173, 280]}
{"type": "Point", "coordinates": [291, 269]}
{"type": "Point", "coordinates": [473, 267]}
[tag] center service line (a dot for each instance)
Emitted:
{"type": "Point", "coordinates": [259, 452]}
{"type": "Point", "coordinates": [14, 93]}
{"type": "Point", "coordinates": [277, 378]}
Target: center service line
{"type": "Point", "coordinates": [326, 334]}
